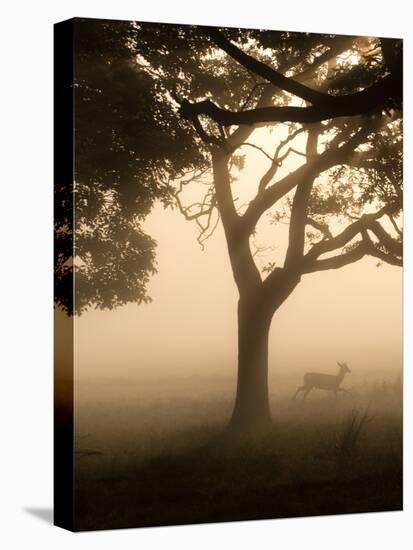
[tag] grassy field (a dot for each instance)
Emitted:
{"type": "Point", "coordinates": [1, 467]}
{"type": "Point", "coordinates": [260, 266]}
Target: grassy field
{"type": "Point", "coordinates": [156, 453]}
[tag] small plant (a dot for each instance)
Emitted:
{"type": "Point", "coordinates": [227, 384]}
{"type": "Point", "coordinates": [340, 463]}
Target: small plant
{"type": "Point", "coordinates": [348, 436]}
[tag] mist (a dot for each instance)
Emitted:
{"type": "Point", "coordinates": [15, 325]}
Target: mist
{"type": "Point", "coordinates": [263, 377]}
{"type": "Point", "coordinates": [189, 329]}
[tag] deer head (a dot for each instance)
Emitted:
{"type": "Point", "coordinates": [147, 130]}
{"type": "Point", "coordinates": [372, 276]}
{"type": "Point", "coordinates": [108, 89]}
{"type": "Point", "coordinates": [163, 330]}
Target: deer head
{"type": "Point", "coordinates": [343, 367]}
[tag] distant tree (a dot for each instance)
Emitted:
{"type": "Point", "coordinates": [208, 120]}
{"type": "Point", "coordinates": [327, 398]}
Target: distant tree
{"type": "Point", "coordinates": [203, 92]}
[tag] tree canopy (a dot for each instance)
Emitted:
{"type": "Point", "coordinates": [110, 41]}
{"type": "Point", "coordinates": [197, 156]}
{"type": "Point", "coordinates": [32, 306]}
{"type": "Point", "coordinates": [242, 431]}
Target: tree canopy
{"type": "Point", "coordinates": [126, 150]}
{"type": "Point", "coordinates": [162, 107]}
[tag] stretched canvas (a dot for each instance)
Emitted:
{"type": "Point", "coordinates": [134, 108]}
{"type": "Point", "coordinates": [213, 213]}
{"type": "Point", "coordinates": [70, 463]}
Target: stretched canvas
{"type": "Point", "coordinates": [228, 283]}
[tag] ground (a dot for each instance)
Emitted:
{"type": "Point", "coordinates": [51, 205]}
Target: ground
{"type": "Point", "coordinates": [148, 454]}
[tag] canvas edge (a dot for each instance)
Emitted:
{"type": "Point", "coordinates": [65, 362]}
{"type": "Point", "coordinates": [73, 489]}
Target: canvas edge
{"type": "Point", "coordinates": [63, 173]}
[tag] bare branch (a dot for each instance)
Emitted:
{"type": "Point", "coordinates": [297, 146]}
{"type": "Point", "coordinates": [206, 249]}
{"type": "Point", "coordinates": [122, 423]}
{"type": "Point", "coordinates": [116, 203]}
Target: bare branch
{"type": "Point", "coordinates": [322, 227]}
{"type": "Point", "coordinates": [277, 160]}
{"type": "Point", "coordinates": [204, 233]}
{"type": "Point", "coordinates": [254, 88]}
{"type": "Point", "coordinates": [204, 208]}
{"type": "Point", "coordinates": [395, 226]}
{"type": "Point", "coordinates": [313, 168]}
{"type": "Point", "coordinates": [185, 210]}
{"type": "Point", "coordinates": [260, 250]}
{"type": "Point", "coordinates": [258, 148]}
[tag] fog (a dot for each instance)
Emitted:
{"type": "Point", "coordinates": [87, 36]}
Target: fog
{"type": "Point", "coordinates": [353, 314]}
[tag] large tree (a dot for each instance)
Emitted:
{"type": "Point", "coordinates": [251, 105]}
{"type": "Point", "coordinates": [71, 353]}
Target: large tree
{"type": "Point", "coordinates": [197, 96]}
{"type": "Point", "coordinates": [351, 120]}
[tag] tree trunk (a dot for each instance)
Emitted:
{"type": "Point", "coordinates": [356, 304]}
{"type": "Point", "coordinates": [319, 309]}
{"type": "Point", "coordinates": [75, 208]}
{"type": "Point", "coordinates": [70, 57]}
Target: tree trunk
{"type": "Point", "coordinates": [251, 413]}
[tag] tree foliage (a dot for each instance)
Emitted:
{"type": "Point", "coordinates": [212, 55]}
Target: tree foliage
{"type": "Point", "coordinates": [127, 147]}
{"type": "Point", "coordinates": [163, 107]}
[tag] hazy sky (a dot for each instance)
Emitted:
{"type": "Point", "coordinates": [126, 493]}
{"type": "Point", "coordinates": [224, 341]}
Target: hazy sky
{"type": "Point", "coordinates": [353, 314]}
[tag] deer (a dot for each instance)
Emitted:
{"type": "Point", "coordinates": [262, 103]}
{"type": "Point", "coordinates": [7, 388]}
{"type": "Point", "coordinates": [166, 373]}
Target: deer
{"type": "Point", "coordinates": [323, 381]}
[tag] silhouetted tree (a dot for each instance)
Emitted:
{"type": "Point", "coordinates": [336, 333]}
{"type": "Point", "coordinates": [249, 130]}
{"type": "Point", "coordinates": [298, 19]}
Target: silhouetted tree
{"type": "Point", "coordinates": [126, 139]}
{"type": "Point", "coordinates": [201, 92]}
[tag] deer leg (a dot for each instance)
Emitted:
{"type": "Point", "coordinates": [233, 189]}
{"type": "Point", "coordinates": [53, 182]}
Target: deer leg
{"type": "Point", "coordinates": [307, 391]}
{"type": "Point", "coordinates": [300, 388]}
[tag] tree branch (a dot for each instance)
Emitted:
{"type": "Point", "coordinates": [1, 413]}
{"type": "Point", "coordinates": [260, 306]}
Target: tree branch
{"type": "Point", "coordinates": [340, 240]}
{"type": "Point", "coordinates": [299, 206]}
{"type": "Point", "coordinates": [384, 257]}
{"type": "Point", "coordinates": [314, 167]}
{"type": "Point", "coordinates": [196, 215]}
{"type": "Point", "coordinates": [277, 160]}
{"type": "Point", "coordinates": [248, 98]}
{"type": "Point", "coordinates": [310, 266]}
{"type": "Point", "coordinates": [203, 135]}
{"type": "Point", "coordinates": [358, 103]}
{"type": "Point", "coordinates": [243, 132]}
{"type": "Point", "coordinates": [363, 248]}
{"type": "Point", "coordinates": [246, 274]}
{"type": "Point", "coordinates": [258, 149]}
{"type": "Point", "coordinates": [263, 70]}
{"type": "Point", "coordinates": [395, 226]}
{"type": "Point", "coordinates": [322, 227]}
{"type": "Point", "coordinates": [390, 244]}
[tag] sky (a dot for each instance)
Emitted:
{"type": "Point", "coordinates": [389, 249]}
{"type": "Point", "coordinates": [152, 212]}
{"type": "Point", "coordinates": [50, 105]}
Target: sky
{"type": "Point", "coordinates": [353, 314]}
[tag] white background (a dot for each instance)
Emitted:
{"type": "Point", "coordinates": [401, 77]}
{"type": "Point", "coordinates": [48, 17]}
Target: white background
{"type": "Point", "coordinates": [26, 274]}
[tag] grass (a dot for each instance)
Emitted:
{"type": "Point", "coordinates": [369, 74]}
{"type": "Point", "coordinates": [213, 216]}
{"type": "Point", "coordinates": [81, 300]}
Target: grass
{"type": "Point", "coordinates": [347, 438]}
{"type": "Point", "coordinates": [166, 461]}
